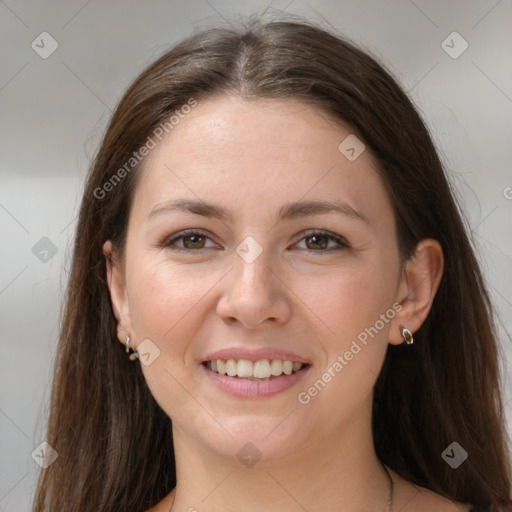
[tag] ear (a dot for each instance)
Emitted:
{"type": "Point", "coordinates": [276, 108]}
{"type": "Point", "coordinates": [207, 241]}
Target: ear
{"type": "Point", "coordinates": [417, 288]}
{"type": "Point", "coordinates": [118, 294]}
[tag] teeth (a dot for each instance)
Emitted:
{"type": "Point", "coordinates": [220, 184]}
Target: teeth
{"type": "Point", "coordinates": [245, 369]}
{"type": "Point", "coordinates": [261, 369]}
{"type": "Point", "coordinates": [287, 367]}
{"type": "Point", "coordinates": [276, 368]}
{"type": "Point", "coordinates": [231, 367]}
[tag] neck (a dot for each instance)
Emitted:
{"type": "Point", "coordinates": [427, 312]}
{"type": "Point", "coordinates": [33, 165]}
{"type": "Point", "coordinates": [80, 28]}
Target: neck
{"type": "Point", "coordinates": [338, 471]}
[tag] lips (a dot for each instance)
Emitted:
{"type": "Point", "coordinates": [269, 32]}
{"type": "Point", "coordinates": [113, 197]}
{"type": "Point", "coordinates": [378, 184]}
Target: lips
{"type": "Point", "coordinates": [254, 373]}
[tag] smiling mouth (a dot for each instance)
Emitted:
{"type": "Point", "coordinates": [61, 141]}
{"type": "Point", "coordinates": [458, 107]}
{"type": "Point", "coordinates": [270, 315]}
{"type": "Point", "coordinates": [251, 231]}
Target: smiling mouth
{"type": "Point", "coordinates": [261, 370]}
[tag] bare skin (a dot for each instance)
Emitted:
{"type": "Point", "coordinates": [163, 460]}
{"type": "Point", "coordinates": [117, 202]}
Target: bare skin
{"type": "Point", "coordinates": [300, 295]}
{"type": "Point", "coordinates": [406, 498]}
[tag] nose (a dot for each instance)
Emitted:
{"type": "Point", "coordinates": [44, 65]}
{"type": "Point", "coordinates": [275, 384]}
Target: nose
{"type": "Point", "coordinates": [255, 295]}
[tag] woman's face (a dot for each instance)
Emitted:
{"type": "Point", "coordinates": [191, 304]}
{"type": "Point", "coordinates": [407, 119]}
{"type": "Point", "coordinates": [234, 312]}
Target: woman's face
{"type": "Point", "coordinates": [262, 274]}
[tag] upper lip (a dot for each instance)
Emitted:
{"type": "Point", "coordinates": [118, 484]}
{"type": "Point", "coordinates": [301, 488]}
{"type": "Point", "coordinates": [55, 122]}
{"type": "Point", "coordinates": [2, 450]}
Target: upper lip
{"type": "Point", "coordinates": [254, 354]}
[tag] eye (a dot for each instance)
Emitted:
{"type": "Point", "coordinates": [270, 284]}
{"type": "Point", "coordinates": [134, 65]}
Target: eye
{"type": "Point", "coordinates": [191, 240]}
{"type": "Point", "coordinates": [318, 241]}
{"type": "Point", "coordinates": [195, 240]}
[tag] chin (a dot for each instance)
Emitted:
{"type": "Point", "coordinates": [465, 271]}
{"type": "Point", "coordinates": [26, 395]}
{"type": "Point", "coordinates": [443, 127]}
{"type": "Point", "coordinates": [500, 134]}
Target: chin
{"type": "Point", "coordinates": [259, 439]}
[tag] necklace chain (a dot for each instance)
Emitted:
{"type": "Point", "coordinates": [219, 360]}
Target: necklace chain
{"type": "Point", "coordinates": [389, 504]}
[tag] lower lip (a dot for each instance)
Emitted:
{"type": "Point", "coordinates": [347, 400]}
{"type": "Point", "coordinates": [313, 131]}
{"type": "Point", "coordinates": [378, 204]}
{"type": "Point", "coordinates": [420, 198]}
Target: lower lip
{"type": "Point", "coordinates": [243, 388]}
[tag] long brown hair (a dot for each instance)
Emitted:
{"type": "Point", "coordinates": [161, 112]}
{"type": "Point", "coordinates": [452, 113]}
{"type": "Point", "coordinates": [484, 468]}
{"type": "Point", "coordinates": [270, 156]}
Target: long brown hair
{"type": "Point", "coordinates": [114, 442]}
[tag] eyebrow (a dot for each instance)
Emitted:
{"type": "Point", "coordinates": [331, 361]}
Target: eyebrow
{"type": "Point", "coordinates": [287, 212]}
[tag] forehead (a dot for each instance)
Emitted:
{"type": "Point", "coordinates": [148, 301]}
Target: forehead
{"type": "Point", "coordinates": [257, 155]}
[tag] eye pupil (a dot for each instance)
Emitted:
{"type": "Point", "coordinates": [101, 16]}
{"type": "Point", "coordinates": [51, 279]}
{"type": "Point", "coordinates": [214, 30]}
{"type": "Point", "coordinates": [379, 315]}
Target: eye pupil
{"type": "Point", "coordinates": [196, 239]}
{"type": "Point", "coordinates": [315, 239]}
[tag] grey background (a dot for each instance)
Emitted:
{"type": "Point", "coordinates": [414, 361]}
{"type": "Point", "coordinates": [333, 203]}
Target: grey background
{"type": "Point", "coordinates": [53, 112]}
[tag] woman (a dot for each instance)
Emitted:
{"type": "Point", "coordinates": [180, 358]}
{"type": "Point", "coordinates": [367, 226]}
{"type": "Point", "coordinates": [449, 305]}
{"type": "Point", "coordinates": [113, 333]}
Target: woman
{"type": "Point", "coordinates": [273, 303]}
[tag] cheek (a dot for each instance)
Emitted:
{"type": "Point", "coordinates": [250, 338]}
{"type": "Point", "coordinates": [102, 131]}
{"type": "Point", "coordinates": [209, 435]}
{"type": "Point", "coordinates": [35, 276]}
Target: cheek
{"type": "Point", "coordinates": [350, 301]}
{"type": "Point", "coordinates": [352, 307]}
{"type": "Point", "coordinates": [165, 299]}
{"type": "Point", "coordinates": [166, 307]}
{"type": "Point", "coordinates": [357, 306]}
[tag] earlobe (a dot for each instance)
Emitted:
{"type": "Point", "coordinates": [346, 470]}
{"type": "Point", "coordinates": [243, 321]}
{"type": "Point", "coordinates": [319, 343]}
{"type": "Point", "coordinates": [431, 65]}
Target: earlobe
{"type": "Point", "coordinates": [117, 288]}
{"type": "Point", "coordinates": [418, 286]}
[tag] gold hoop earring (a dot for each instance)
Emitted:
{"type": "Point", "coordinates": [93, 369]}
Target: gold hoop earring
{"type": "Point", "coordinates": [407, 335]}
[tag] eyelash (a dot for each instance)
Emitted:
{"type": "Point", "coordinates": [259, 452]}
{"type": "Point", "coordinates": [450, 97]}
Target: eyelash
{"type": "Point", "coordinates": [343, 244]}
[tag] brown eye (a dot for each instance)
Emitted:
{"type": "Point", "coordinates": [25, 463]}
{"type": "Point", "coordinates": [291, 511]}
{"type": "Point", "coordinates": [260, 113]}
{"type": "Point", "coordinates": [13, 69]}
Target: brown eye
{"type": "Point", "coordinates": [318, 241]}
{"type": "Point", "coordinates": [188, 241]}
{"type": "Point", "coordinates": [193, 241]}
